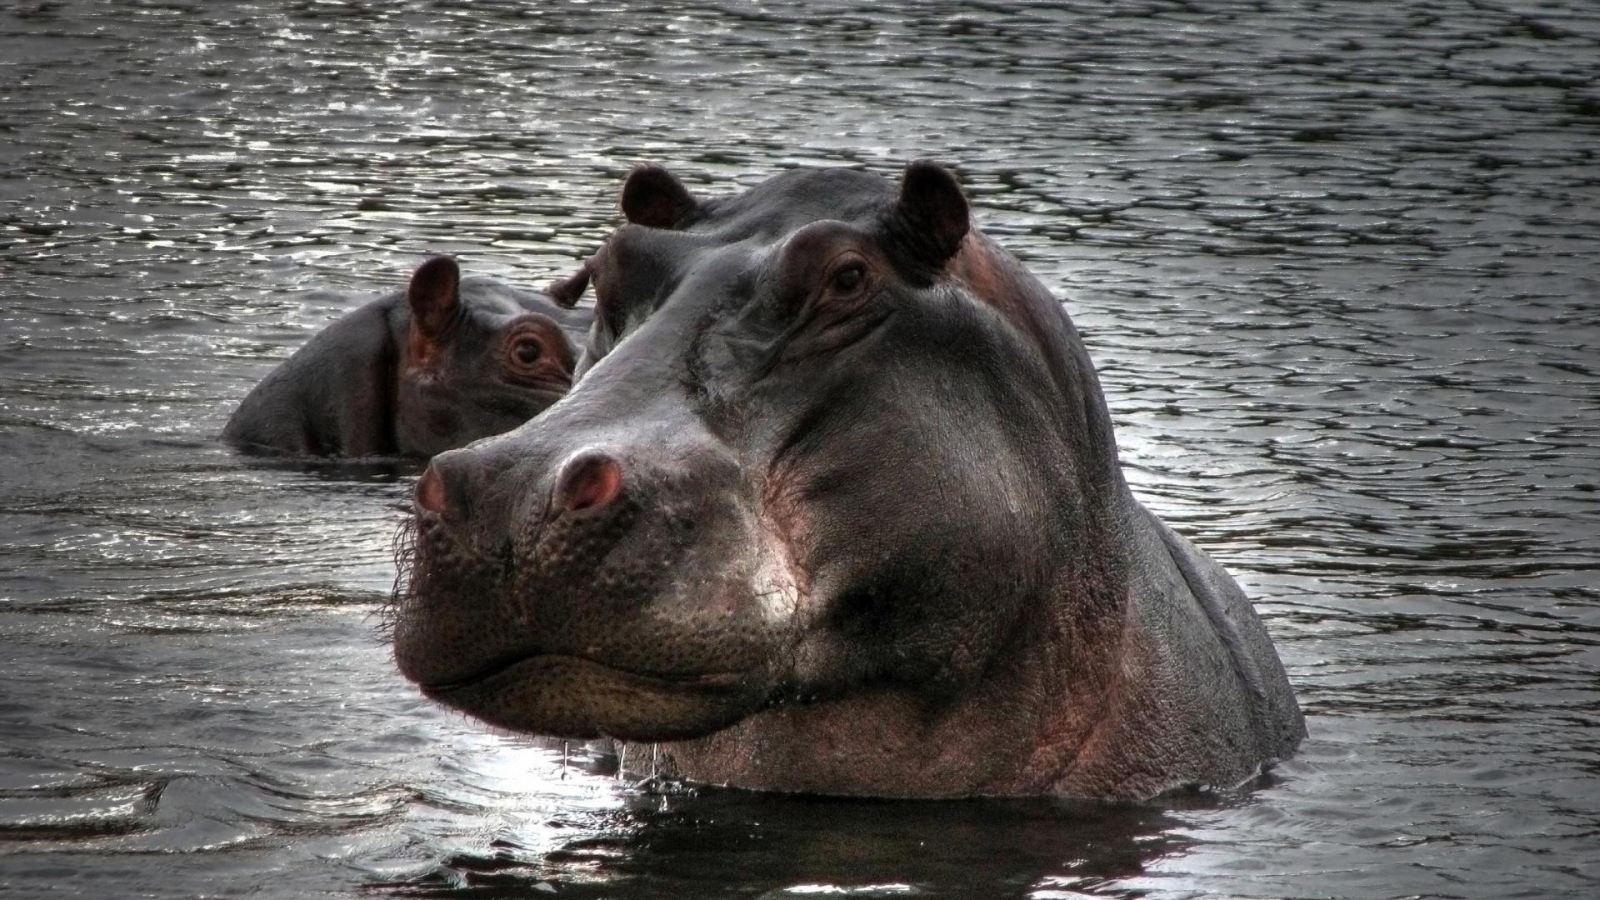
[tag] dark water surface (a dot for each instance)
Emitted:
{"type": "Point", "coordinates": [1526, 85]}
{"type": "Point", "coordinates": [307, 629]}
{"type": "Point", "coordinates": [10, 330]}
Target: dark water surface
{"type": "Point", "coordinates": [1338, 262]}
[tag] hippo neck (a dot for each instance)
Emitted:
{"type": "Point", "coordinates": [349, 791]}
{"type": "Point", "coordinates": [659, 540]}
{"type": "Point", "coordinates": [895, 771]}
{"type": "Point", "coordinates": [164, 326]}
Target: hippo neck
{"type": "Point", "coordinates": [1000, 738]}
{"type": "Point", "coordinates": [1012, 731]}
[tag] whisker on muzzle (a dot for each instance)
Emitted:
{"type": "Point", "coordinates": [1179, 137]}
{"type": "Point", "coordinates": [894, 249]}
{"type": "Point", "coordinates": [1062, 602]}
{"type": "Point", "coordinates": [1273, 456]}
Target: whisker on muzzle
{"type": "Point", "coordinates": [404, 551]}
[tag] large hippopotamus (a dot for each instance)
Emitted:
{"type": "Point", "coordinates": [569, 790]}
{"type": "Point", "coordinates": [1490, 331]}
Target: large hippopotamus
{"type": "Point", "coordinates": [834, 507]}
{"type": "Point", "coordinates": [436, 366]}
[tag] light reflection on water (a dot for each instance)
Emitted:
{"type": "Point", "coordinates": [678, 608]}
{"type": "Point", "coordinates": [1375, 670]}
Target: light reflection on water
{"type": "Point", "coordinates": [1335, 262]}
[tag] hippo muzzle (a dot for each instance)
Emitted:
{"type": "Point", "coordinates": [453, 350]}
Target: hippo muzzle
{"type": "Point", "coordinates": [577, 583]}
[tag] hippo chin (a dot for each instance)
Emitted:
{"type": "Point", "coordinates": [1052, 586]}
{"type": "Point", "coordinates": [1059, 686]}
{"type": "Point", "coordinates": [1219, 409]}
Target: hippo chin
{"type": "Point", "coordinates": [834, 507]}
{"type": "Point", "coordinates": [441, 364]}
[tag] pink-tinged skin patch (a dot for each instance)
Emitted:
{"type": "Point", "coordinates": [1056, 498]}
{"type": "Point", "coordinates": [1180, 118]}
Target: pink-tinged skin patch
{"type": "Point", "coordinates": [430, 491]}
{"type": "Point", "coordinates": [590, 480]}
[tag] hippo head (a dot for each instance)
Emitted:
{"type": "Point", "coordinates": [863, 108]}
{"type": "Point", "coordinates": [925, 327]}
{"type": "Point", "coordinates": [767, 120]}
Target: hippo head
{"type": "Point", "coordinates": [473, 367]}
{"type": "Point", "coordinates": [827, 440]}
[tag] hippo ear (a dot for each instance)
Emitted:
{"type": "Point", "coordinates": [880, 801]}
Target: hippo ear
{"type": "Point", "coordinates": [566, 291]}
{"type": "Point", "coordinates": [434, 295]}
{"type": "Point", "coordinates": [655, 198]}
{"type": "Point", "coordinates": [931, 215]}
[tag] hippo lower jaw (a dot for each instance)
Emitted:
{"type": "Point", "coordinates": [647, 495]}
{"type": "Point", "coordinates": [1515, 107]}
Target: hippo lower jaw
{"type": "Point", "coordinates": [572, 697]}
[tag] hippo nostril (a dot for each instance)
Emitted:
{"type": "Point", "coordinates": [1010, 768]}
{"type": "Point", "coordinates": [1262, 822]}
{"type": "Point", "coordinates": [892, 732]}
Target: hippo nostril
{"type": "Point", "coordinates": [430, 491]}
{"type": "Point", "coordinates": [446, 486]}
{"type": "Point", "coordinates": [590, 480]}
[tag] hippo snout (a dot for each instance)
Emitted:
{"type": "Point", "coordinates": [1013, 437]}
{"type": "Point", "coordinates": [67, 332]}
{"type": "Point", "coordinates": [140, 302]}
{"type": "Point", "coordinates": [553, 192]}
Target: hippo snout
{"type": "Point", "coordinates": [587, 586]}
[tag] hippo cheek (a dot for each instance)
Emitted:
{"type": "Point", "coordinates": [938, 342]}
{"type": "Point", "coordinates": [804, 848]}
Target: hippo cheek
{"type": "Point", "coordinates": [571, 697]}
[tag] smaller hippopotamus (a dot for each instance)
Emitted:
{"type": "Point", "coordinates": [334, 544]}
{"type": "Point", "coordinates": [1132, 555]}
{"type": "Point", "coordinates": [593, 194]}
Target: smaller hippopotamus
{"type": "Point", "coordinates": [434, 367]}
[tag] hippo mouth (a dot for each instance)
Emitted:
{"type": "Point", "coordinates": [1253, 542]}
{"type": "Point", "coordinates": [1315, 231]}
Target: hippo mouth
{"type": "Point", "coordinates": [688, 680]}
{"type": "Point", "coordinates": [568, 696]}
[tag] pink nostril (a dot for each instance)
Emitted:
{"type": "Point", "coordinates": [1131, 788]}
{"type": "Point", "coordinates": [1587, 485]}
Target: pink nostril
{"type": "Point", "coordinates": [588, 481]}
{"type": "Point", "coordinates": [430, 491]}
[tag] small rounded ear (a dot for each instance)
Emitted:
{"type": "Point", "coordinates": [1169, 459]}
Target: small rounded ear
{"type": "Point", "coordinates": [434, 295]}
{"type": "Point", "coordinates": [932, 212]}
{"type": "Point", "coordinates": [655, 198]}
{"type": "Point", "coordinates": [566, 291]}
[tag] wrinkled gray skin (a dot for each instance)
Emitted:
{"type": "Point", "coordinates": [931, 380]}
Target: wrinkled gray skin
{"type": "Point", "coordinates": [436, 366]}
{"type": "Point", "coordinates": [836, 509]}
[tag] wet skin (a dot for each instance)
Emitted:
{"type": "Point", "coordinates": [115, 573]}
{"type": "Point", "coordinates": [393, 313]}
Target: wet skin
{"type": "Point", "coordinates": [834, 507]}
{"type": "Point", "coordinates": [441, 364]}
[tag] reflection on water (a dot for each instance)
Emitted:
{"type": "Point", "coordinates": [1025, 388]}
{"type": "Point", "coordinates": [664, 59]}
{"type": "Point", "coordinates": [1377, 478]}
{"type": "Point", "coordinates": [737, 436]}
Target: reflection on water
{"type": "Point", "coordinates": [1336, 262]}
{"type": "Point", "coordinates": [708, 842]}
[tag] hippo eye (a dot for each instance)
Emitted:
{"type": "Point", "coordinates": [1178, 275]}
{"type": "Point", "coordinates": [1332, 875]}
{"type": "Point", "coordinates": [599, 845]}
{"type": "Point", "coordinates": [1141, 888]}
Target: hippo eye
{"type": "Point", "coordinates": [535, 352]}
{"type": "Point", "coordinates": [527, 351]}
{"type": "Point", "coordinates": [848, 278]}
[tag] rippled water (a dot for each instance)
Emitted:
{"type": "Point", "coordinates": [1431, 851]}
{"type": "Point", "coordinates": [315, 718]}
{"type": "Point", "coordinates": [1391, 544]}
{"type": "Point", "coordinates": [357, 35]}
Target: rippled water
{"type": "Point", "coordinates": [1338, 262]}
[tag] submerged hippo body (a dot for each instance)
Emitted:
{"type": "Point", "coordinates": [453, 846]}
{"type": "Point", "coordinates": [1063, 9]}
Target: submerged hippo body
{"type": "Point", "coordinates": [835, 507]}
{"type": "Point", "coordinates": [427, 369]}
